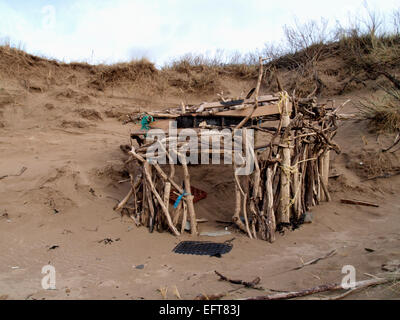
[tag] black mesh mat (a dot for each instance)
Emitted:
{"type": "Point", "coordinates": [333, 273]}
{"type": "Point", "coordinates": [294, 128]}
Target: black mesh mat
{"type": "Point", "coordinates": [202, 248]}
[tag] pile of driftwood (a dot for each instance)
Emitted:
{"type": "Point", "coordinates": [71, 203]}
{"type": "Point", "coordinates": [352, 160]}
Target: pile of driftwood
{"type": "Point", "coordinates": [291, 169]}
{"type": "Point", "coordinates": [223, 107]}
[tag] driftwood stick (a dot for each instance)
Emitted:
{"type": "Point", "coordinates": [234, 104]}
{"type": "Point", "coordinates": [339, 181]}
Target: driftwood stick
{"type": "Point", "coordinates": [314, 261]}
{"type": "Point", "coordinates": [256, 185]}
{"type": "Point", "coordinates": [310, 184]}
{"type": "Point", "coordinates": [151, 209]}
{"type": "Point", "coordinates": [284, 207]}
{"type": "Point", "coordinates": [254, 218]}
{"type": "Point", "coordinates": [360, 203]}
{"type": "Point", "coordinates": [135, 184]}
{"type": "Point", "coordinates": [236, 218]}
{"type": "Point", "coordinates": [251, 284]}
{"type": "Point", "coordinates": [169, 178]}
{"type": "Point", "coordinates": [171, 163]}
{"type": "Point", "coordinates": [184, 217]}
{"type": "Point", "coordinates": [296, 189]}
{"type": "Point", "coordinates": [144, 211]}
{"type": "Point", "coordinates": [396, 141]}
{"type": "Point", "coordinates": [322, 288]}
{"type": "Point", "coordinates": [324, 172]}
{"type": "Point", "coordinates": [189, 197]}
{"type": "Point", "coordinates": [123, 202]}
{"type": "Point", "coordinates": [23, 169]}
{"type": "Point", "coordinates": [167, 192]}
{"type": "Point", "coordinates": [327, 196]}
{"type": "Point", "coordinates": [160, 201]}
{"type": "Point", "coordinates": [162, 115]}
{"type": "Point", "coordinates": [238, 204]}
{"type": "Point", "coordinates": [304, 178]}
{"type": "Point", "coordinates": [260, 75]}
{"type": "Point", "coordinates": [271, 222]}
{"type": "Point", "coordinates": [178, 212]}
{"type": "Point", "coordinates": [246, 220]}
{"type": "Point", "coordinates": [317, 176]}
{"type": "Point", "coordinates": [136, 215]}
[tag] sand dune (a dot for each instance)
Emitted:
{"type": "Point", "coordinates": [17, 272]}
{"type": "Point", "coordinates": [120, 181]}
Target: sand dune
{"type": "Point", "coordinates": [65, 128]}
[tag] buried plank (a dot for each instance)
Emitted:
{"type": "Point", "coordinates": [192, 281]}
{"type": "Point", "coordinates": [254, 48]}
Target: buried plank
{"type": "Point", "coordinates": [360, 203]}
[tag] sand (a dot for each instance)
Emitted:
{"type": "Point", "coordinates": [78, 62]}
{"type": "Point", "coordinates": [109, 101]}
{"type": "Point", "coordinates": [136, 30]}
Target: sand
{"type": "Point", "coordinates": [68, 138]}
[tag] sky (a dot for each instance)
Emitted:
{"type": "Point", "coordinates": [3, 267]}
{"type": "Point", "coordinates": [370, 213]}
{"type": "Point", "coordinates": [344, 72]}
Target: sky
{"type": "Point", "coordinates": [121, 30]}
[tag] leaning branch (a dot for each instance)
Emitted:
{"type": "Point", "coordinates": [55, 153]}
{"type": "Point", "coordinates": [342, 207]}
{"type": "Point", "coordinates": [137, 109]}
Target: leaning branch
{"type": "Point", "coordinates": [323, 288]}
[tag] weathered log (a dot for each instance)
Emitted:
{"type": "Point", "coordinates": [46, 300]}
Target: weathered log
{"type": "Point", "coordinates": [324, 172]}
{"type": "Point", "coordinates": [184, 216]}
{"type": "Point", "coordinates": [167, 192]}
{"type": "Point", "coordinates": [327, 196]}
{"type": "Point", "coordinates": [151, 209]}
{"type": "Point", "coordinates": [246, 219]}
{"type": "Point", "coordinates": [177, 213]}
{"type": "Point", "coordinates": [146, 167]}
{"type": "Point", "coordinates": [271, 222]}
{"type": "Point", "coordinates": [238, 204]}
{"type": "Point", "coordinates": [296, 187]}
{"type": "Point", "coordinates": [284, 207]}
{"type": "Point", "coordinates": [189, 197]}
{"type": "Point", "coordinates": [321, 288]}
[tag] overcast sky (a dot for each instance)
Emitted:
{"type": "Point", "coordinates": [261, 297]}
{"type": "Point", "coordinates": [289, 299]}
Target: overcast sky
{"type": "Point", "coordinates": [119, 30]}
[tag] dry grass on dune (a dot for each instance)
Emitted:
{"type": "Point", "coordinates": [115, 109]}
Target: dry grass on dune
{"type": "Point", "coordinates": [311, 59]}
{"type": "Point", "coordinates": [383, 113]}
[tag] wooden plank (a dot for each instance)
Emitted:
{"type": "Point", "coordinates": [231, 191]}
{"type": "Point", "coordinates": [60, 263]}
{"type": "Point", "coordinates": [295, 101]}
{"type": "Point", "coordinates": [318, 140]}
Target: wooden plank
{"type": "Point", "coordinates": [162, 115]}
{"type": "Point", "coordinates": [260, 111]}
{"type": "Point", "coordinates": [266, 98]}
{"type": "Point", "coordinates": [360, 203]}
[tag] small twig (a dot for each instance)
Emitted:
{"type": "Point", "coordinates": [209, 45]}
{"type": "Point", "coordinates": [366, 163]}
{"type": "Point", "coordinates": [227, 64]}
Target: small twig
{"type": "Point", "coordinates": [341, 296]}
{"type": "Point", "coordinates": [323, 288]}
{"type": "Point", "coordinates": [304, 264]}
{"type": "Point", "coordinates": [23, 169]}
{"type": "Point", "coordinates": [396, 141]}
{"type": "Point", "coordinates": [123, 181]}
{"type": "Point", "coordinates": [260, 75]}
{"type": "Point", "coordinates": [251, 284]}
{"type": "Point", "coordinates": [314, 261]}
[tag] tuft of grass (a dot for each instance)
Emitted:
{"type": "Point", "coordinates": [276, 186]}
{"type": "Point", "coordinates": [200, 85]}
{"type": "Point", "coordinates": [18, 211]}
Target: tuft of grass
{"type": "Point", "coordinates": [383, 113]}
{"type": "Point", "coordinates": [130, 71]}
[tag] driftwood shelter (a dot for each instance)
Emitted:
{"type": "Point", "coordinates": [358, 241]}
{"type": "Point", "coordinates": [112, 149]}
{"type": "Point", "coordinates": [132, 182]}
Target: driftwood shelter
{"type": "Point", "coordinates": [290, 158]}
